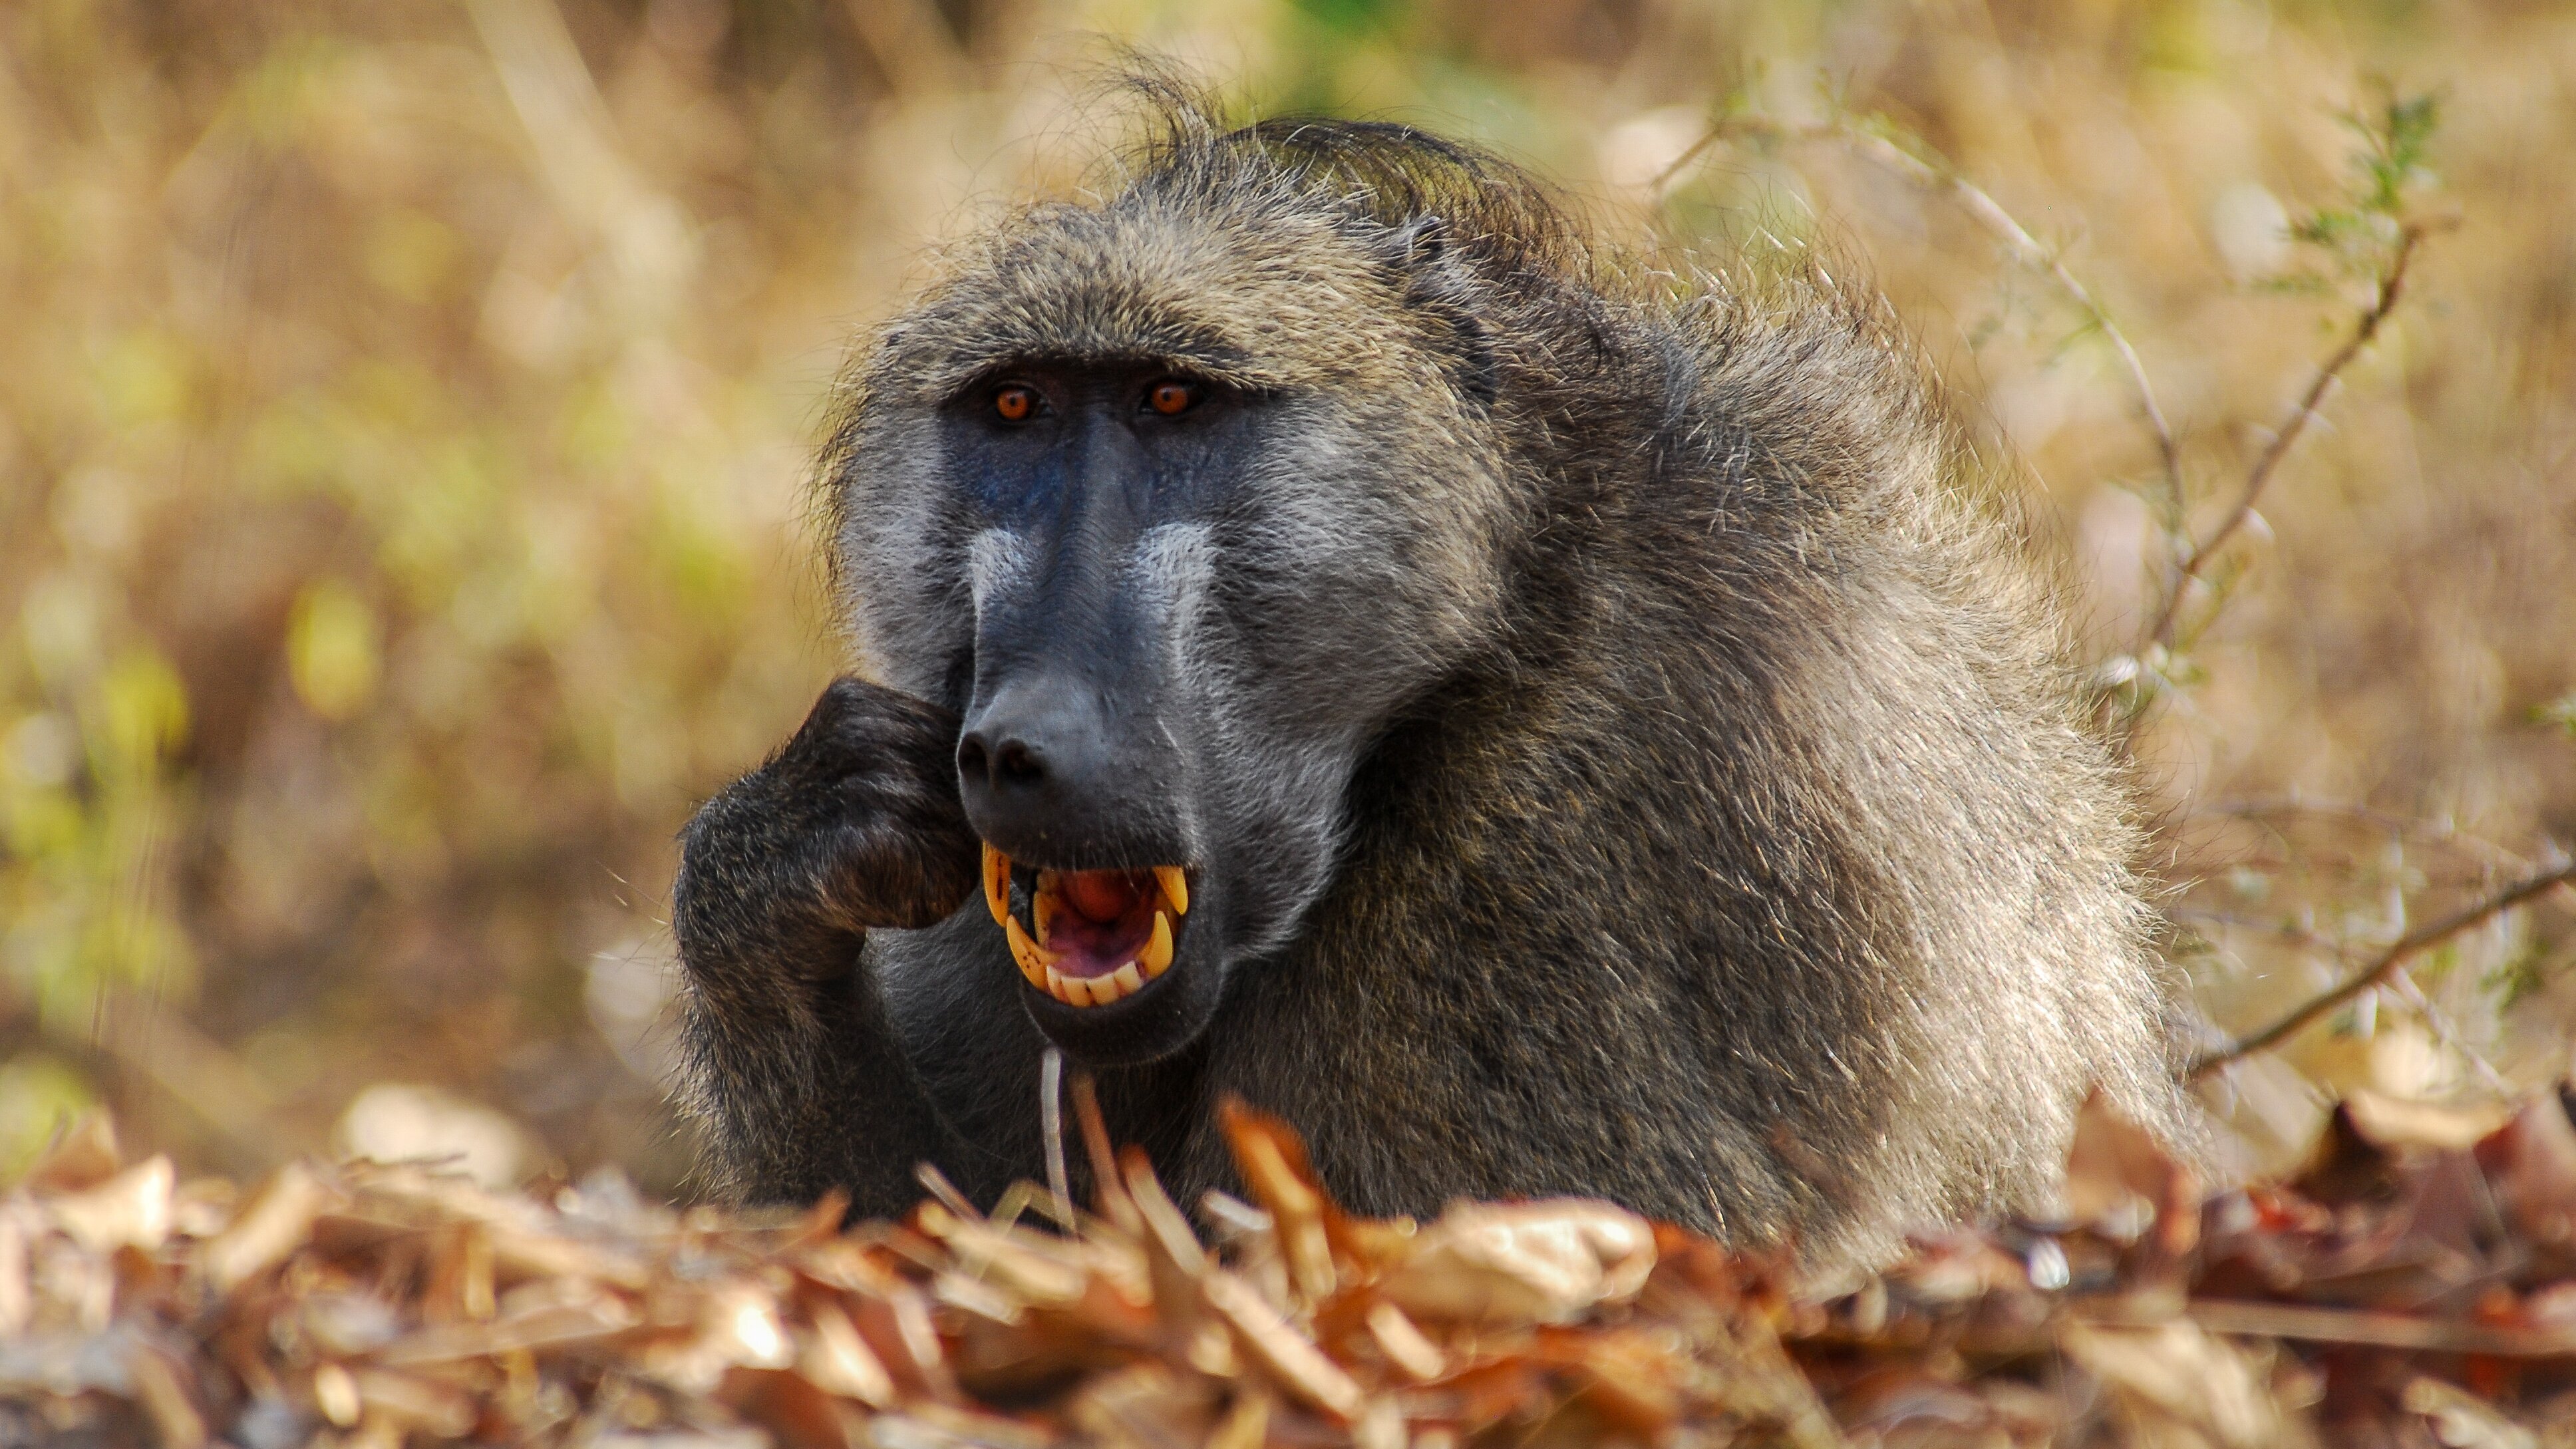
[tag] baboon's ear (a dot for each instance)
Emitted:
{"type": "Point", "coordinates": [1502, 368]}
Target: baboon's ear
{"type": "Point", "coordinates": [1442, 286]}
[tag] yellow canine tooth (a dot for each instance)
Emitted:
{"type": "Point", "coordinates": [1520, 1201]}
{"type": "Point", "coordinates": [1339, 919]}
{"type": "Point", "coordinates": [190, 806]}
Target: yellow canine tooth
{"type": "Point", "coordinates": [1033, 962]}
{"type": "Point", "coordinates": [997, 884]}
{"type": "Point", "coordinates": [1176, 887]}
{"type": "Point", "coordinates": [1157, 955]}
{"type": "Point", "coordinates": [1031, 957]}
{"type": "Point", "coordinates": [1125, 981]}
{"type": "Point", "coordinates": [1020, 942]}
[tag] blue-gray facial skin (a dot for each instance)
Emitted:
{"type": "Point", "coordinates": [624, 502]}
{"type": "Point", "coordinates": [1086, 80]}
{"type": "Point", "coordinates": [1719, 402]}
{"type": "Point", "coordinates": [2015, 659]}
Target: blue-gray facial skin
{"type": "Point", "coordinates": [1081, 743]}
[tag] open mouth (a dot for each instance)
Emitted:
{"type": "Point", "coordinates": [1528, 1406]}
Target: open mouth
{"type": "Point", "coordinates": [1087, 937]}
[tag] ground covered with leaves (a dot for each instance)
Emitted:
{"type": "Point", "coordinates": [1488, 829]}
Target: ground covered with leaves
{"type": "Point", "coordinates": [2415, 1284]}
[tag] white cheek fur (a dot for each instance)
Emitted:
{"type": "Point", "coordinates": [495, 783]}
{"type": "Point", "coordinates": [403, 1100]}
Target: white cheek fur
{"type": "Point", "coordinates": [996, 558]}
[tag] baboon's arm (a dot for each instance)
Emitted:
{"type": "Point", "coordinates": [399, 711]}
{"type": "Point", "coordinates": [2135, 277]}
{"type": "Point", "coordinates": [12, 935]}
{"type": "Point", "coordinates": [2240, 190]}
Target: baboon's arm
{"type": "Point", "coordinates": [798, 1074]}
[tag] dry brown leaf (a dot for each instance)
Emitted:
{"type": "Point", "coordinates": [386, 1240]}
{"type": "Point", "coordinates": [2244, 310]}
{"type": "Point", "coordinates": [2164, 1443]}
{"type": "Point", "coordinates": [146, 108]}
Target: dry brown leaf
{"type": "Point", "coordinates": [83, 1157]}
{"type": "Point", "coordinates": [838, 1361]}
{"type": "Point", "coordinates": [2392, 1121]}
{"type": "Point", "coordinates": [1274, 1166]}
{"type": "Point", "coordinates": [2178, 1372]}
{"type": "Point", "coordinates": [1404, 1344]}
{"type": "Point", "coordinates": [131, 1209]}
{"type": "Point", "coordinates": [2414, 1287]}
{"type": "Point", "coordinates": [274, 1224]}
{"type": "Point", "coordinates": [1265, 1337]}
{"type": "Point", "coordinates": [17, 1300]}
{"type": "Point", "coordinates": [2461, 1421]}
{"type": "Point", "coordinates": [1523, 1263]}
{"type": "Point", "coordinates": [2123, 1181]}
{"type": "Point", "coordinates": [2531, 1163]}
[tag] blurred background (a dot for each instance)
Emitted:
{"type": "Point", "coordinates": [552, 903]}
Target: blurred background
{"type": "Point", "coordinates": [404, 410]}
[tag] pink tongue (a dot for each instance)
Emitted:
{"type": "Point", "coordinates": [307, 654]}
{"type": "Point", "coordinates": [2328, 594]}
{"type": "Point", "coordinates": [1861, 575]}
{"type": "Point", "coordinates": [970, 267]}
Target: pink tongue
{"type": "Point", "coordinates": [1087, 948]}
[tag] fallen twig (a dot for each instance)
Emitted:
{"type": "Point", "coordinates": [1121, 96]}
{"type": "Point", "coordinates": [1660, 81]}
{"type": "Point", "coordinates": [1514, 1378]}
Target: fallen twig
{"type": "Point", "coordinates": [2255, 1319]}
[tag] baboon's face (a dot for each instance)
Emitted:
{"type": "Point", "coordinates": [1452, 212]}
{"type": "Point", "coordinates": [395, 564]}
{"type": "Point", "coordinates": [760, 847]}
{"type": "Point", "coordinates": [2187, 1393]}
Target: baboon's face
{"type": "Point", "coordinates": [1177, 512]}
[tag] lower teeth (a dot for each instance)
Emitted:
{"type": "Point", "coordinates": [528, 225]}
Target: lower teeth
{"type": "Point", "coordinates": [1017, 893]}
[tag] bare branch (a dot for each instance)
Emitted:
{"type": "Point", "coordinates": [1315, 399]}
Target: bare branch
{"type": "Point", "coordinates": [2392, 286]}
{"type": "Point", "coordinates": [2445, 1031]}
{"type": "Point", "coordinates": [2412, 945]}
{"type": "Point", "coordinates": [2336, 1325]}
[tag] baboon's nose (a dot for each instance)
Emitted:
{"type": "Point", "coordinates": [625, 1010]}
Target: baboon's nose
{"type": "Point", "coordinates": [1010, 762]}
{"type": "Point", "coordinates": [1034, 767]}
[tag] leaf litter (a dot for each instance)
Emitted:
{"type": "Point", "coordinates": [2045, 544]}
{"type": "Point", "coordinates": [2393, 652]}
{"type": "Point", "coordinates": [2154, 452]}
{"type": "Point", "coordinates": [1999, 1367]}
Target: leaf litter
{"type": "Point", "coordinates": [2412, 1284]}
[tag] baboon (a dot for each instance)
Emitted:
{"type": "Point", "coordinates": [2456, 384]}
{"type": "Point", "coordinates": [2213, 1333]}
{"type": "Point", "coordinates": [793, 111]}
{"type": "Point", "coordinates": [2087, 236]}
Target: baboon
{"type": "Point", "coordinates": [1540, 720]}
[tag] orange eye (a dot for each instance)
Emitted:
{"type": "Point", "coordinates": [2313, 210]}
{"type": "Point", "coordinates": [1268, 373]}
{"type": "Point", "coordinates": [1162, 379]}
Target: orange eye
{"type": "Point", "coordinates": [1016, 403]}
{"type": "Point", "coordinates": [1171, 398]}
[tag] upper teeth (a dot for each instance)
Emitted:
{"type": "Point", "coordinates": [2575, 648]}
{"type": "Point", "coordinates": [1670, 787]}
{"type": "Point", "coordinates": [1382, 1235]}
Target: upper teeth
{"type": "Point", "coordinates": [1038, 964]}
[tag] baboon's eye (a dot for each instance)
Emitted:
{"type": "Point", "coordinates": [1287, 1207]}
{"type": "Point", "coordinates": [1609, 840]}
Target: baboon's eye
{"type": "Point", "coordinates": [1171, 397]}
{"type": "Point", "coordinates": [1016, 403]}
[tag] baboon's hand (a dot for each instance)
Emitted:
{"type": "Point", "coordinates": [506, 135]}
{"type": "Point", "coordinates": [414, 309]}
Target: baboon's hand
{"type": "Point", "coordinates": [854, 824]}
{"type": "Point", "coordinates": [872, 777]}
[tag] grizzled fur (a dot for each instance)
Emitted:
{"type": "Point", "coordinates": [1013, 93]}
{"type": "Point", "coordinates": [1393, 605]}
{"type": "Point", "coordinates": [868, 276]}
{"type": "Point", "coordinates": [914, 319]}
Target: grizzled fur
{"type": "Point", "coordinates": [1624, 758]}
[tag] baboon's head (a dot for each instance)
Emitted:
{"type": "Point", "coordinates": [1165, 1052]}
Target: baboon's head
{"type": "Point", "coordinates": [1179, 498]}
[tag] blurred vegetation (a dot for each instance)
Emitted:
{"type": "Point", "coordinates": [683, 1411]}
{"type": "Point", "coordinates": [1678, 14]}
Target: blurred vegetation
{"type": "Point", "coordinates": [403, 409]}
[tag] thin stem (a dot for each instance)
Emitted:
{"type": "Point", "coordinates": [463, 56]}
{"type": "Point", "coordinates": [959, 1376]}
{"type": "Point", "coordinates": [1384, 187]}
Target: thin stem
{"type": "Point", "coordinates": [1051, 1127]}
{"type": "Point", "coordinates": [2412, 945]}
{"type": "Point", "coordinates": [2258, 807]}
{"type": "Point", "coordinates": [1681, 163]}
{"type": "Point", "coordinates": [2392, 286]}
{"type": "Point", "coordinates": [2446, 1031]}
